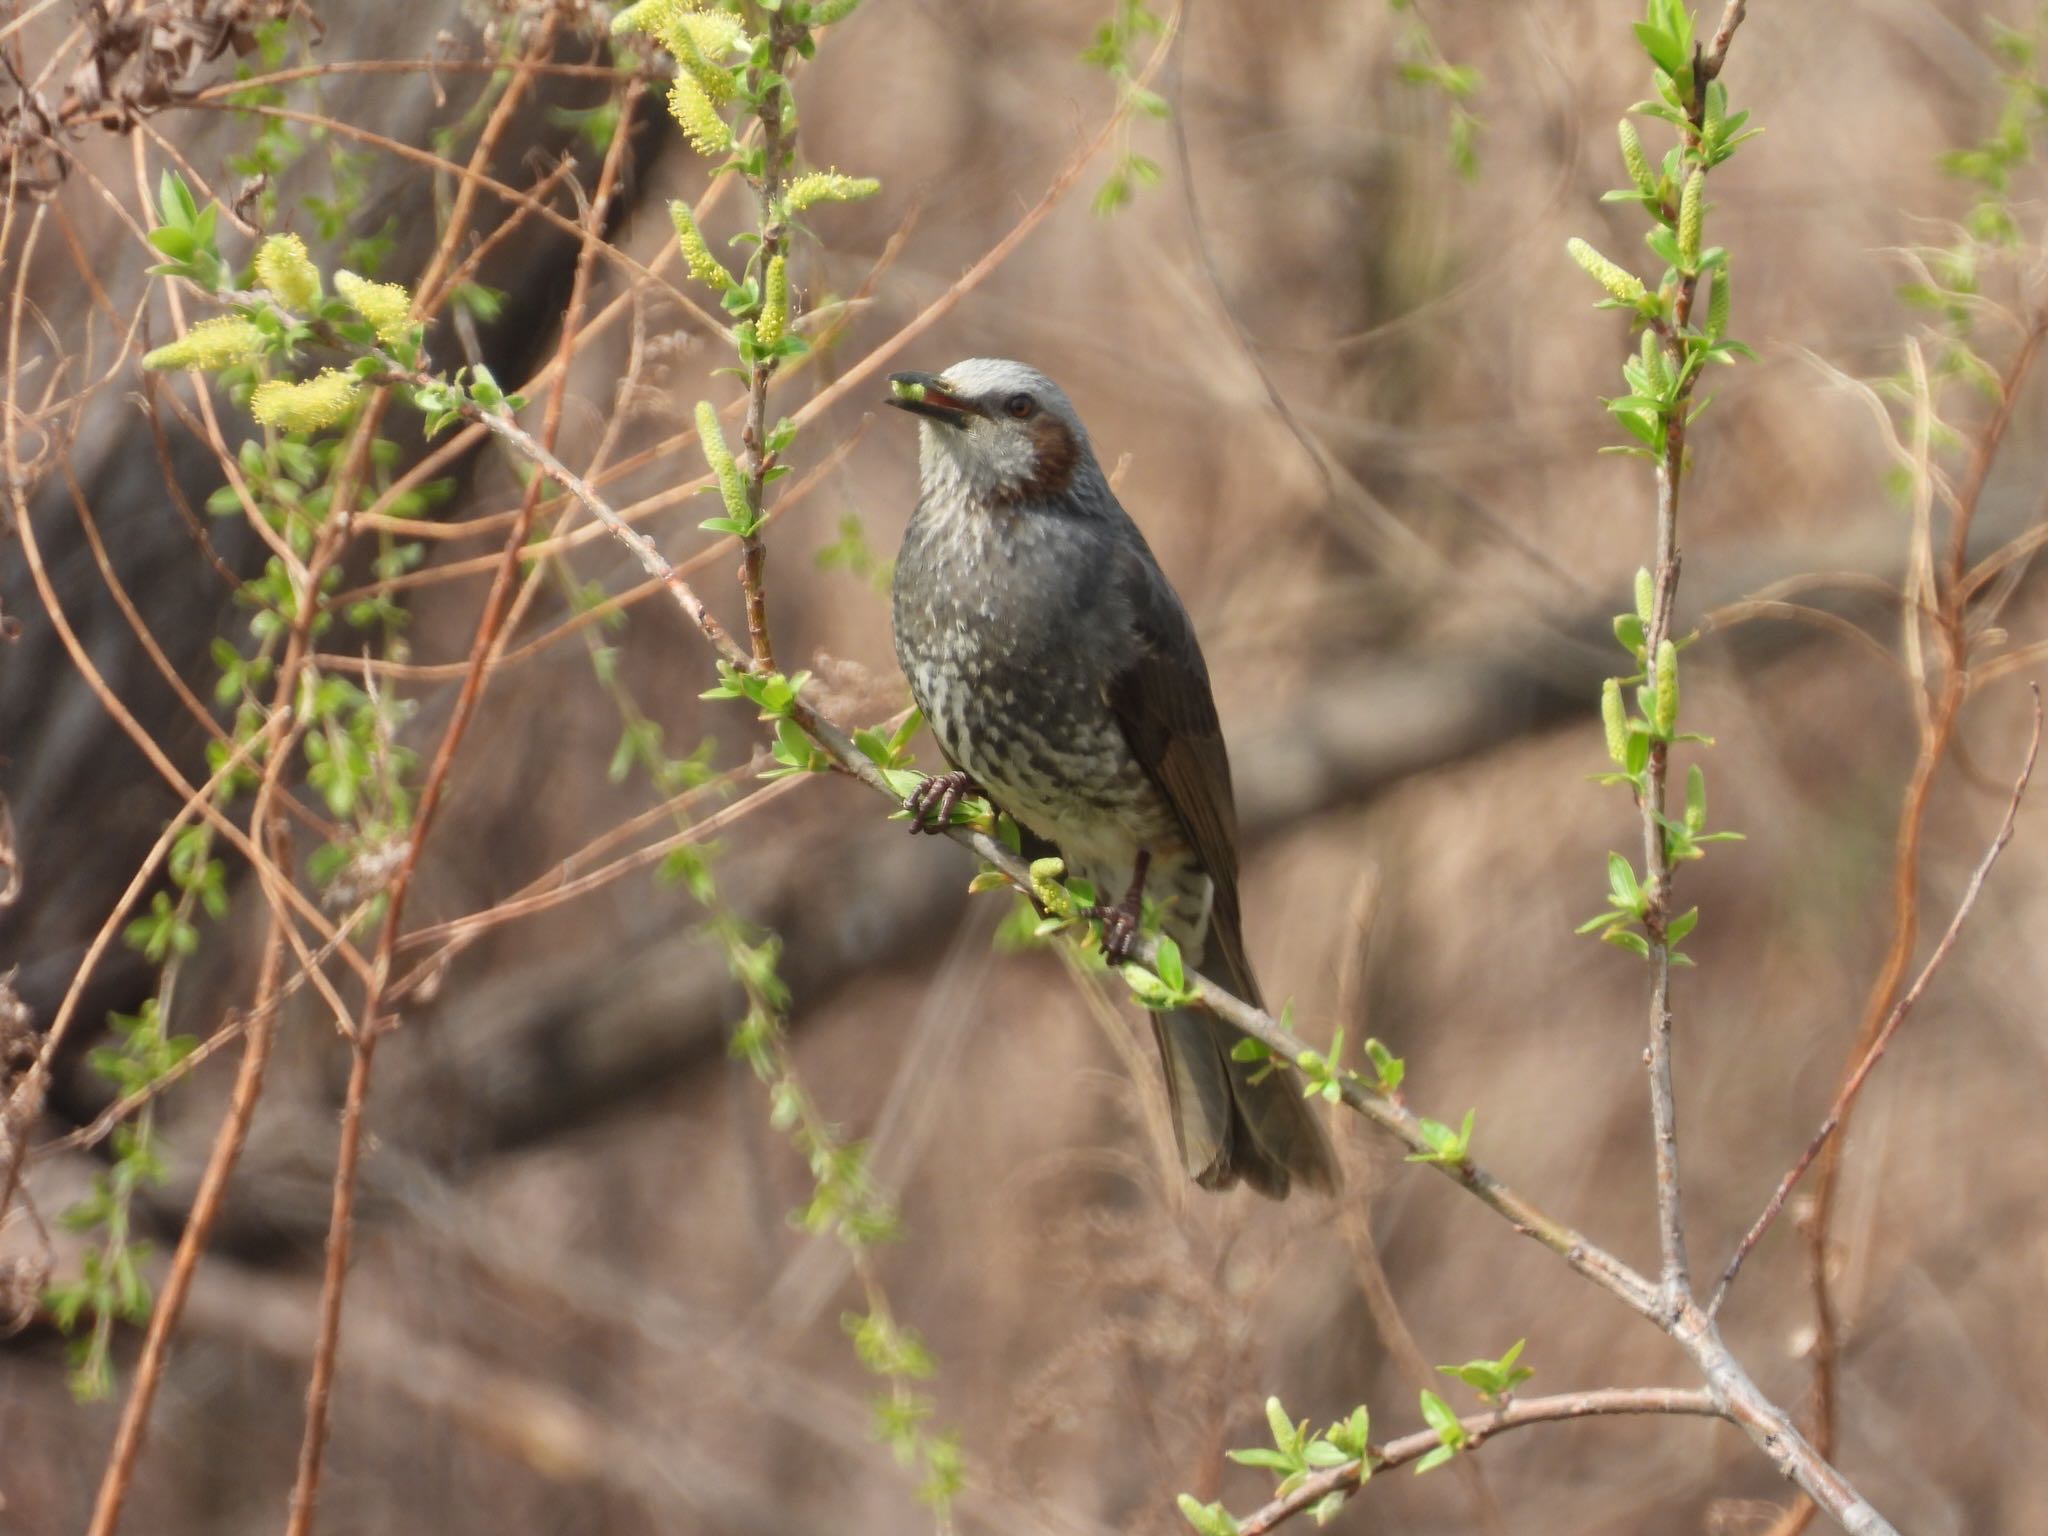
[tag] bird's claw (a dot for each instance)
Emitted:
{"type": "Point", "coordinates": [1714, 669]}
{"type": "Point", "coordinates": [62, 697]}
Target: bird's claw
{"type": "Point", "coordinates": [931, 804]}
{"type": "Point", "coordinates": [1119, 930]}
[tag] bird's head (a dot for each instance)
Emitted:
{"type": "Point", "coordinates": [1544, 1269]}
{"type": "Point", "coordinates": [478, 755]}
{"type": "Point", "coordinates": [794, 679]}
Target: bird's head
{"type": "Point", "coordinates": [999, 430]}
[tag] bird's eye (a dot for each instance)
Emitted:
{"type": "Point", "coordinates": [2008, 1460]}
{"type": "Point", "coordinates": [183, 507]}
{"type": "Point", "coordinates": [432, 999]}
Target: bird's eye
{"type": "Point", "coordinates": [1020, 406]}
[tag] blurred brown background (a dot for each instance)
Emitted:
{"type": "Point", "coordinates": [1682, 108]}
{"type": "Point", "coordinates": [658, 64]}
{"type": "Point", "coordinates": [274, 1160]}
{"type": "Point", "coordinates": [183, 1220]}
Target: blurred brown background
{"type": "Point", "coordinates": [578, 1304]}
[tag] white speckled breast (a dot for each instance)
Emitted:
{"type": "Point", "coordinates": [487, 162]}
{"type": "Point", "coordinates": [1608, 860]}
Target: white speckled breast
{"type": "Point", "coordinates": [1004, 634]}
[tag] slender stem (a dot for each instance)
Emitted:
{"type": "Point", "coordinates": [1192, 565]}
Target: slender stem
{"type": "Point", "coordinates": [1674, 1274]}
{"type": "Point", "coordinates": [776, 115]}
{"type": "Point", "coordinates": [1479, 1428]}
{"type": "Point", "coordinates": [1845, 1097]}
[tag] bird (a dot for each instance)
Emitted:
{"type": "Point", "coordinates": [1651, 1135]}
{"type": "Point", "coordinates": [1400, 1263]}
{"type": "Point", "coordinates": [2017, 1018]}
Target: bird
{"type": "Point", "coordinates": [1062, 679]}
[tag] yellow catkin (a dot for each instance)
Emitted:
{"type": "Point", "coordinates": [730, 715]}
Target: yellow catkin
{"type": "Point", "coordinates": [704, 266]}
{"type": "Point", "coordinates": [774, 319]}
{"type": "Point", "coordinates": [386, 306]}
{"type": "Point", "coordinates": [210, 345]}
{"type": "Point", "coordinates": [732, 487]}
{"type": "Point", "coordinates": [700, 41]}
{"type": "Point", "coordinates": [828, 187]}
{"type": "Point", "coordinates": [316, 403]}
{"type": "Point", "coordinates": [698, 117]}
{"type": "Point", "coordinates": [650, 18]}
{"type": "Point", "coordinates": [283, 267]}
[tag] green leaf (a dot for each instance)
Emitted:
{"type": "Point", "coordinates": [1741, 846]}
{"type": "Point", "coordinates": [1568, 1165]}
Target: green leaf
{"type": "Point", "coordinates": [1207, 1519]}
{"type": "Point", "coordinates": [1437, 1414]}
{"type": "Point", "coordinates": [1621, 880]}
{"type": "Point", "coordinates": [1350, 1436]}
{"type": "Point", "coordinates": [1389, 1068]}
{"type": "Point", "coordinates": [1169, 965]}
{"type": "Point", "coordinates": [1492, 1378]}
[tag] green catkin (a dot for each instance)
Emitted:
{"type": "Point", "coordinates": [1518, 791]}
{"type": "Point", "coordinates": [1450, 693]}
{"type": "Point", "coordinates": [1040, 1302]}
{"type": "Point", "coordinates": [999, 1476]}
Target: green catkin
{"type": "Point", "coordinates": [1692, 215]}
{"type": "Point", "coordinates": [1615, 718]}
{"type": "Point", "coordinates": [1667, 688]}
{"type": "Point", "coordinates": [1717, 304]}
{"type": "Point", "coordinates": [1623, 286]}
{"type": "Point", "coordinates": [1633, 158]}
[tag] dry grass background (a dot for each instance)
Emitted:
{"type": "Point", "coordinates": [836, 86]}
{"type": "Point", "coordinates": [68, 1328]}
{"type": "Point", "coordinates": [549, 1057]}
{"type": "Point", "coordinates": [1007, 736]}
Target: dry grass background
{"type": "Point", "coordinates": [578, 1304]}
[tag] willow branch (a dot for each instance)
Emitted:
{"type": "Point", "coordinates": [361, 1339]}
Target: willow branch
{"type": "Point", "coordinates": [1479, 1428]}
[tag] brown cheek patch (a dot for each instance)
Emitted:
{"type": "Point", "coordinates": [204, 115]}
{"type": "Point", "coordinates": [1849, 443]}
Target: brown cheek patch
{"type": "Point", "coordinates": [1053, 454]}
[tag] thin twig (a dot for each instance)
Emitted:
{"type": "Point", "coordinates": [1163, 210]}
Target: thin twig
{"type": "Point", "coordinates": [1479, 1428]}
{"type": "Point", "coordinates": [1845, 1097]}
{"type": "Point", "coordinates": [1675, 1276]}
{"type": "Point", "coordinates": [206, 1204]}
{"type": "Point", "coordinates": [1938, 705]}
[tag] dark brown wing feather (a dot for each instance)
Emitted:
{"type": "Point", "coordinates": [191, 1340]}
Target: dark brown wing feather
{"type": "Point", "coordinates": [1161, 698]}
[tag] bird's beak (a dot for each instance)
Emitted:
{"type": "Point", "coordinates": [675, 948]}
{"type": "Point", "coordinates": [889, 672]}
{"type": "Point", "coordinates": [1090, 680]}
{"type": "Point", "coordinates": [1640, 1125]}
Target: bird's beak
{"type": "Point", "coordinates": [925, 394]}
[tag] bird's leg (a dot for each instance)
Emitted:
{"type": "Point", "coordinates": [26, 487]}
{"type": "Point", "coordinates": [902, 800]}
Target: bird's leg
{"type": "Point", "coordinates": [942, 791]}
{"type": "Point", "coordinates": [1120, 922]}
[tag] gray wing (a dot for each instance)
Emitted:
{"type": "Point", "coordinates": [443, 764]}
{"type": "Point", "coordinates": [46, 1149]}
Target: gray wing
{"type": "Point", "coordinates": [1232, 1120]}
{"type": "Point", "coordinates": [1160, 696]}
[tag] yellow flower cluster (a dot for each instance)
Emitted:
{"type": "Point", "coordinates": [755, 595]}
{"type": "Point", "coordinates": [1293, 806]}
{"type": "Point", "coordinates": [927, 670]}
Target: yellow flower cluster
{"type": "Point", "coordinates": [774, 318]}
{"type": "Point", "coordinates": [732, 489]}
{"type": "Point", "coordinates": [827, 187]}
{"type": "Point", "coordinates": [386, 306]}
{"type": "Point", "coordinates": [692, 107]}
{"type": "Point", "coordinates": [697, 256]}
{"type": "Point", "coordinates": [210, 345]}
{"type": "Point", "coordinates": [316, 403]}
{"type": "Point", "coordinates": [283, 267]}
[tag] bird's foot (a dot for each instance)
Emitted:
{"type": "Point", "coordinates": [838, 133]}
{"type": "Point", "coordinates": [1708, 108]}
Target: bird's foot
{"type": "Point", "coordinates": [1119, 929]}
{"type": "Point", "coordinates": [931, 804]}
{"type": "Point", "coordinates": [1120, 923]}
